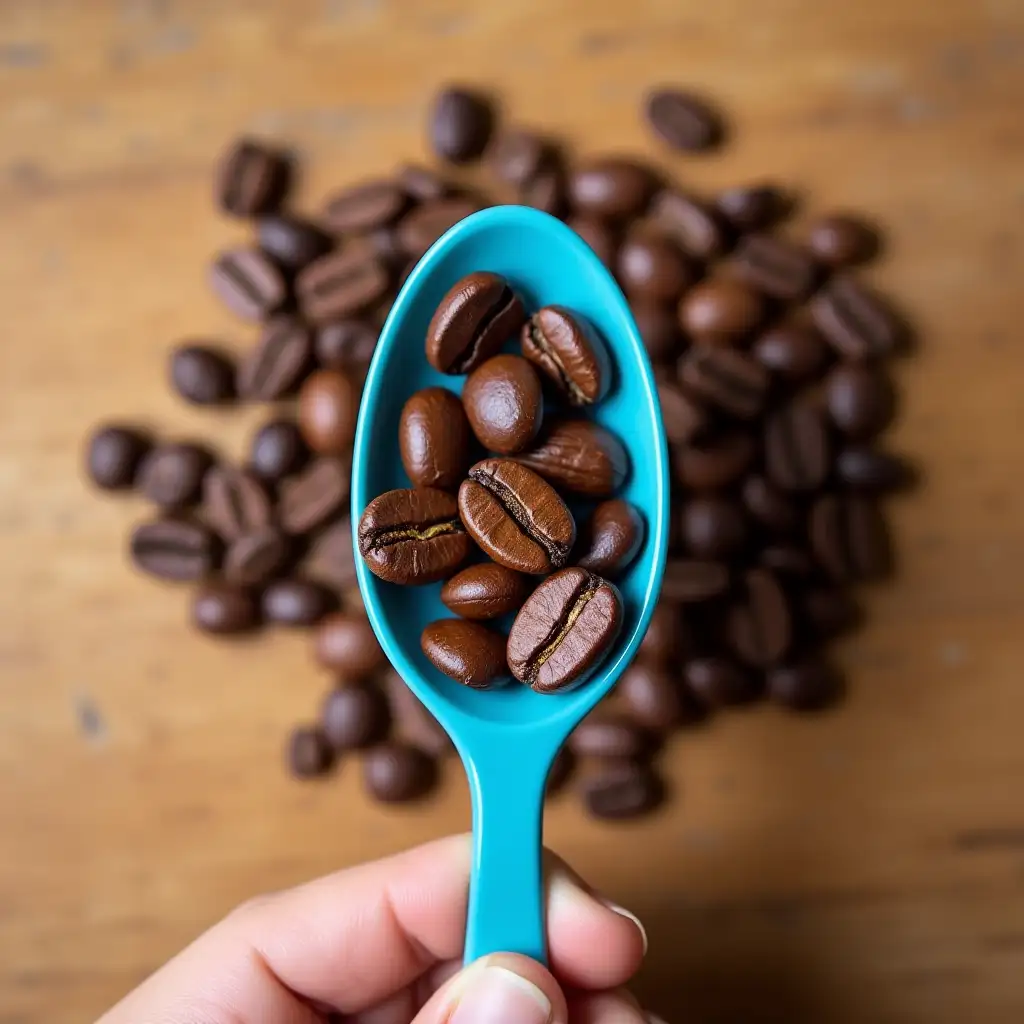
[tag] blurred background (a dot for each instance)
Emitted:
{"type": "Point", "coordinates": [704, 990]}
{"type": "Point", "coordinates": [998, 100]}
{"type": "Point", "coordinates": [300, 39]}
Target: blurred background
{"type": "Point", "coordinates": [862, 865]}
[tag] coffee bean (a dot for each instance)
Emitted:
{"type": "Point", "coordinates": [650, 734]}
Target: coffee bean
{"type": "Point", "coordinates": [295, 602]}
{"type": "Point", "coordinates": [564, 630]}
{"type": "Point", "coordinates": [759, 626]}
{"type": "Point", "coordinates": [860, 400]}
{"type": "Point", "coordinates": [561, 771]}
{"type": "Point", "coordinates": [599, 235]}
{"type": "Point", "coordinates": [332, 558]}
{"type": "Point", "coordinates": [363, 207]}
{"type": "Point", "coordinates": [605, 734]}
{"type": "Point", "coordinates": [347, 645]}
{"type": "Point", "coordinates": [256, 557]}
{"type": "Point", "coordinates": [434, 439]}
{"type": "Point", "coordinates": [612, 539]}
{"type": "Point", "coordinates": [173, 550]}
{"type": "Point", "coordinates": [413, 536]}
{"type": "Point", "coordinates": [579, 456]}
{"type": "Point", "coordinates": [658, 329]}
{"type": "Point", "coordinates": [692, 225]}
{"type": "Point", "coordinates": [422, 226]}
{"type": "Point", "coordinates": [290, 242]}
{"type": "Point", "coordinates": [314, 495]}
{"type": "Point", "coordinates": [517, 156]}
{"type": "Point", "coordinates": [775, 266]}
{"type": "Point", "coordinates": [788, 560]}
{"type": "Point", "coordinates": [223, 609]}
{"type": "Point", "coordinates": [395, 773]}
{"type": "Point", "coordinates": [768, 505]}
{"type": "Point", "coordinates": [250, 179]}
{"type": "Point", "coordinates": [797, 448]}
{"type": "Point", "coordinates": [610, 187]}
{"type": "Point", "coordinates": [421, 183]}
{"type": "Point", "coordinates": [485, 591]}
{"type": "Point", "coordinates": [849, 538]}
{"type": "Point", "coordinates": [667, 638]}
{"type": "Point", "coordinates": [712, 527]}
{"type": "Point", "coordinates": [651, 267]}
{"type": "Point", "coordinates": [415, 723]}
{"type": "Point", "coordinates": [340, 285]}
{"type": "Point", "coordinates": [171, 475]}
{"type": "Point", "coordinates": [248, 283]}
{"type": "Point", "coordinates": [725, 378]}
{"type": "Point", "coordinates": [346, 345]}
{"type": "Point", "coordinates": [683, 119]}
{"type": "Point", "coordinates": [277, 362]}
{"type": "Point", "coordinates": [854, 320]}
{"type": "Point", "coordinates": [201, 375]}
{"type": "Point", "coordinates": [468, 652]}
{"type": "Point", "coordinates": [276, 450]}
{"type": "Point", "coordinates": [869, 470]}
{"type": "Point", "coordinates": [693, 581]}
{"type": "Point", "coordinates": [840, 240]}
{"type": "Point", "coordinates": [309, 753]}
{"type": "Point", "coordinates": [717, 682]}
{"type": "Point", "coordinates": [653, 698]}
{"type": "Point", "coordinates": [355, 716]}
{"type": "Point", "coordinates": [567, 349]}
{"type": "Point", "coordinates": [714, 462]}
{"type": "Point", "coordinates": [504, 403]}
{"type": "Point", "coordinates": [113, 454]}
{"type": "Point", "coordinates": [752, 207]}
{"type": "Point", "coordinates": [622, 789]}
{"type": "Point", "coordinates": [793, 350]}
{"type": "Point", "coordinates": [546, 192]}
{"type": "Point", "coordinates": [805, 686]}
{"type": "Point", "coordinates": [460, 125]}
{"type": "Point", "coordinates": [720, 311]}
{"type": "Point", "coordinates": [829, 611]}
{"type": "Point", "coordinates": [235, 503]}
{"type": "Point", "coordinates": [328, 406]}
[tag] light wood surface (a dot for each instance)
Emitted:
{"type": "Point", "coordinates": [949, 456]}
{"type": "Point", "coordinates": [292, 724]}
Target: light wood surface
{"type": "Point", "coordinates": [867, 866]}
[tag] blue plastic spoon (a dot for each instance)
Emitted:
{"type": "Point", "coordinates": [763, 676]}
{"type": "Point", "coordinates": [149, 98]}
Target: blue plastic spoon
{"type": "Point", "coordinates": [508, 737]}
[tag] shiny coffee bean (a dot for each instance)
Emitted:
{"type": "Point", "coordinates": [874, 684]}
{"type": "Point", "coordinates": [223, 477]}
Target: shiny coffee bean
{"type": "Point", "coordinates": [276, 450]}
{"type": "Point", "coordinates": [854, 320]}
{"type": "Point", "coordinates": [223, 609]}
{"type": "Point", "coordinates": [752, 207]}
{"type": "Point", "coordinates": [768, 505]}
{"type": "Point", "coordinates": [797, 447]}
{"type": "Point", "coordinates": [654, 699]}
{"type": "Point", "coordinates": [485, 591]}
{"type": "Point", "coordinates": [202, 375]}
{"type": "Point", "coordinates": [650, 266]}
{"type": "Point", "coordinates": [569, 352]}
{"type": "Point", "coordinates": [332, 558]}
{"type": "Point", "coordinates": [468, 652]}
{"type": "Point", "coordinates": [279, 359]}
{"type": "Point", "coordinates": [775, 266]}
{"type": "Point", "coordinates": [171, 475]}
{"type": "Point", "coordinates": [622, 789]}
{"type": "Point", "coordinates": [612, 538]}
{"type": "Point", "coordinates": [610, 187]}
{"type": "Point", "coordinates": [829, 611]}
{"type": "Point", "coordinates": [250, 179]}
{"type": "Point", "coordinates": [659, 330]}
{"type": "Point", "coordinates": [805, 686]}
{"type": "Point", "coordinates": [460, 125]}
{"type": "Point", "coordinates": [112, 457]}
{"type": "Point", "coordinates": [866, 469]}
{"type": "Point", "coordinates": [295, 602]}
{"type": "Point", "coordinates": [395, 773]}
{"type": "Point", "coordinates": [290, 242]}
{"type": "Point", "coordinates": [346, 345]}
{"type": "Point", "coordinates": [692, 225]}
{"type": "Point", "coordinates": [365, 206]}
{"type": "Point", "coordinates": [715, 461]}
{"type": "Point", "coordinates": [693, 581]}
{"type": "Point", "coordinates": [849, 538]}
{"type": "Point", "coordinates": [423, 225]}
{"type": "Point", "coordinates": [340, 284]}
{"type": "Point", "coordinates": [860, 400]}
{"type": "Point", "coordinates": [759, 625]}
{"type": "Point", "coordinates": [414, 722]}
{"type": "Point", "coordinates": [517, 156]}
{"type": "Point", "coordinates": [606, 734]}
{"type": "Point", "coordinates": [712, 527]}
{"type": "Point", "coordinates": [328, 407]}
{"type": "Point", "coordinates": [235, 503]}
{"type": "Point", "coordinates": [504, 403]}
{"type": "Point", "coordinates": [256, 557]}
{"type": "Point", "coordinates": [313, 496]}
{"type": "Point", "coordinates": [793, 350]}
{"type": "Point", "coordinates": [434, 439]}
{"type": "Point", "coordinates": [347, 645]}
{"type": "Point", "coordinates": [356, 716]}
{"type": "Point", "coordinates": [718, 682]}
{"type": "Point", "coordinates": [599, 235]}
{"type": "Point", "coordinates": [667, 639]}
{"type": "Point", "coordinates": [473, 321]}
{"type": "Point", "coordinates": [248, 282]}
{"type": "Point", "coordinates": [840, 240]}
{"type": "Point", "coordinates": [173, 550]}
{"type": "Point", "coordinates": [309, 753]}
{"type": "Point", "coordinates": [579, 456]}
{"type": "Point", "coordinates": [683, 119]}
{"type": "Point", "coordinates": [564, 630]}
{"type": "Point", "coordinates": [726, 379]}
{"type": "Point", "coordinates": [720, 311]}
{"type": "Point", "coordinates": [546, 191]}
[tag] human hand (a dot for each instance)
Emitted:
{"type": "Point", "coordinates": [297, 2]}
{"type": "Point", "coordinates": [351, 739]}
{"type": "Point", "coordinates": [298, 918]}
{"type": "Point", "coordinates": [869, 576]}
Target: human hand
{"type": "Point", "coordinates": [380, 944]}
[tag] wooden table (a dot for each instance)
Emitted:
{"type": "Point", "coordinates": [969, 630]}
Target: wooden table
{"type": "Point", "coordinates": [866, 866]}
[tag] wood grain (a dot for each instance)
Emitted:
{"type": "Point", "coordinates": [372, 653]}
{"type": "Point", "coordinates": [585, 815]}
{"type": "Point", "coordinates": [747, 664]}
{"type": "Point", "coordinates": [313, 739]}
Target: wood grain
{"type": "Point", "coordinates": [860, 867]}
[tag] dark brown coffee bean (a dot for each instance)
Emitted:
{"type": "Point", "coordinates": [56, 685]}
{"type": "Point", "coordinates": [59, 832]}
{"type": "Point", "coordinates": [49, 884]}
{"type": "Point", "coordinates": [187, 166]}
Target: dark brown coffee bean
{"type": "Point", "coordinates": [395, 773]}
{"type": "Point", "coordinates": [849, 538]}
{"type": "Point", "coordinates": [250, 179]}
{"type": "Point", "coordinates": [256, 557]}
{"type": "Point", "coordinates": [309, 753]}
{"type": "Point", "coordinates": [725, 378]}
{"type": "Point", "coordinates": [860, 400]}
{"type": "Point", "coordinates": [797, 448]}
{"type": "Point", "coordinates": [869, 470]}
{"type": "Point", "coordinates": [290, 242]}
{"type": "Point", "coordinates": [112, 457]}
{"type": "Point", "coordinates": [712, 527]}
{"type": "Point", "coordinates": [840, 240]}
{"type": "Point", "coordinates": [605, 734]}
{"type": "Point", "coordinates": [235, 503]}
{"type": "Point", "coordinates": [295, 602]}
{"type": "Point", "coordinates": [752, 207]}
{"type": "Point", "coordinates": [793, 350]}
{"type": "Point", "coordinates": [485, 591]}
{"type": "Point", "coordinates": [717, 682]}
{"type": "Point", "coordinates": [714, 462]}
{"type": "Point", "coordinates": [518, 155]}
{"type": "Point", "coordinates": [612, 538]}
{"type": "Point", "coordinates": [421, 183]}
{"type": "Point", "coordinates": [346, 345]}
{"type": "Point", "coordinates": [759, 626]}
{"type": "Point", "coordinates": [363, 207]}
{"type": "Point", "coordinates": [683, 119]}
{"type": "Point", "coordinates": [579, 456]}
{"type": "Point", "coordinates": [201, 375]}
{"type": "Point", "coordinates": [422, 226]}
{"type": "Point", "coordinates": [173, 550]}
{"type": "Point", "coordinates": [692, 225]}
{"type": "Point", "coordinates": [340, 285]}
{"type": "Point", "coordinates": [829, 611]}
{"type": "Point", "coordinates": [610, 187]}
{"type": "Point", "coordinates": [413, 536]}
{"type": "Point", "coordinates": [414, 722]}
{"type": "Point", "coordinates": [564, 630]}
{"type": "Point", "coordinates": [622, 789]}
{"type": "Point", "coordinates": [223, 609]}
{"type": "Point", "coordinates": [720, 311]}
{"type": "Point", "coordinates": [805, 686]}
{"type": "Point", "coordinates": [332, 557]}
{"type": "Point", "coordinates": [855, 321]}
{"type": "Point", "coordinates": [667, 639]}
{"type": "Point", "coordinates": [328, 406]}
{"type": "Point", "coordinates": [567, 349]}
{"type": "Point", "coordinates": [354, 716]}
{"type": "Point", "coordinates": [787, 560]}
{"type": "Point", "coordinates": [516, 517]}
{"type": "Point", "coordinates": [248, 283]}
{"type": "Point", "coordinates": [277, 362]}
{"type": "Point", "coordinates": [504, 403]}
{"type": "Point", "coordinates": [769, 506]}
{"type": "Point", "coordinates": [434, 439]}
{"type": "Point", "coordinates": [171, 475]}
{"type": "Point", "coordinates": [314, 495]}
{"type": "Point", "coordinates": [599, 235]}
{"type": "Point", "coordinates": [775, 266]}
{"type": "Point", "coordinates": [659, 330]}
{"type": "Point", "coordinates": [460, 125]}
{"type": "Point", "coordinates": [347, 645]}
{"type": "Point", "coordinates": [546, 192]}
{"type": "Point", "coordinates": [276, 450]}
{"type": "Point", "coordinates": [691, 581]}
{"type": "Point", "coordinates": [468, 652]}
{"type": "Point", "coordinates": [651, 267]}
{"type": "Point", "coordinates": [653, 698]}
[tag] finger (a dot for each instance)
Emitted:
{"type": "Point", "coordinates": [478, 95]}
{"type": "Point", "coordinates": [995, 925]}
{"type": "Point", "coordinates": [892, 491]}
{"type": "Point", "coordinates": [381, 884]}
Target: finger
{"type": "Point", "coordinates": [617, 1007]}
{"type": "Point", "coordinates": [406, 1003]}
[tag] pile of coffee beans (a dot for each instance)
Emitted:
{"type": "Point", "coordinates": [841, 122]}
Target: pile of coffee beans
{"type": "Point", "coordinates": [770, 356]}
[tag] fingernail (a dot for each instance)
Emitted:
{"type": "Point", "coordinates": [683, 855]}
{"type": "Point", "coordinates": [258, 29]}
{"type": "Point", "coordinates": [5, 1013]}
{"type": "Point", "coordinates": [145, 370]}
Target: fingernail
{"type": "Point", "coordinates": [494, 995]}
{"type": "Point", "coordinates": [629, 916]}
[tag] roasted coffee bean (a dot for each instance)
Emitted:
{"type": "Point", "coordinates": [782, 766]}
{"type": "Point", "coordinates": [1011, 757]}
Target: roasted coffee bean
{"type": "Point", "coordinates": [720, 311]}
{"type": "Point", "coordinates": [651, 267]}
{"type": "Point", "coordinates": [805, 686]}
{"type": "Point", "coordinates": [256, 557]}
{"type": "Point", "coordinates": [712, 527]}
{"type": "Point", "coordinates": [309, 753]}
{"type": "Point", "coordinates": [612, 538]}
{"type": "Point", "coordinates": [829, 611]}
{"type": "Point", "coordinates": [653, 698]}
{"type": "Point", "coordinates": [567, 349]}
{"type": "Point", "coordinates": [518, 155]}
{"type": "Point", "coordinates": [854, 320]}
{"type": "Point", "coordinates": [797, 448]}
{"type": "Point", "coordinates": [395, 773]}
{"type": "Point", "coordinates": [346, 345]}
{"type": "Point", "coordinates": [347, 645]}
{"type": "Point", "coordinates": [579, 456]}
{"type": "Point", "coordinates": [689, 581]}
{"type": "Point", "coordinates": [248, 283]}
{"type": "Point", "coordinates": [504, 403]}
{"type": "Point", "coordinates": [869, 470]}
{"type": "Point", "coordinates": [841, 240]}
{"type": "Point", "coordinates": [276, 450]}
{"type": "Point", "coordinates": [223, 609]}
{"type": "Point", "coordinates": [290, 242]}
{"type": "Point", "coordinates": [422, 226]}
{"type": "Point", "coordinates": [718, 682]}
{"type": "Point", "coordinates": [295, 602]}
{"type": "Point", "coordinates": [332, 557]}
{"type": "Point", "coordinates": [485, 591]}
{"type": "Point", "coordinates": [769, 506]}
{"type": "Point", "coordinates": [788, 560]}
{"type": "Point", "coordinates": [659, 330]}
{"type": "Point", "coordinates": [355, 716]}
{"type": "Point", "coordinates": [759, 626]}
{"type": "Point", "coordinates": [468, 652]}
{"type": "Point", "coordinates": [460, 125]}
{"type": "Point", "coordinates": [564, 630]}
{"type": "Point", "coordinates": [860, 400]}
{"type": "Point", "coordinates": [171, 475]}
{"type": "Point", "coordinates": [752, 207]}
{"type": "Point", "coordinates": [201, 375]}
{"type": "Point", "coordinates": [516, 517]}
{"type": "Point", "coordinates": [414, 722]}
{"type": "Point", "coordinates": [610, 187]}
{"type": "Point", "coordinates": [328, 407]}
{"type": "Point", "coordinates": [314, 495]}
{"type": "Point", "coordinates": [561, 771]}
{"type": "Point", "coordinates": [692, 225]}
{"type": "Point", "coordinates": [173, 550]}
{"type": "Point", "coordinates": [775, 266]}
{"type": "Point", "coordinates": [277, 362]}
{"type": "Point", "coordinates": [340, 285]}
{"type": "Point", "coordinates": [715, 461]}
{"type": "Point", "coordinates": [235, 503]}
{"type": "Point", "coordinates": [849, 538]}
{"type": "Point", "coordinates": [667, 639]}
{"type": "Point", "coordinates": [474, 319]}
{"type": "Point", "coordinates": [622, 789]}
{"type": "Point", "coordinates": [793, 350]}
{"type": "Point", "coordinates": [413, 536]}
{"type": "Point", "coordinates": [434, 439]}
{"type": "Point", "coordinates": [725, 378]}
{"type": "Point", "coordinates": [421, 183]}
{"type": "Point", "coordinates": [363, 207]}
{"type": "Point", "coordinates": [605, 734]}
{"type": "Point", "coordinates": [599, 235]}
{"type": "Point", "coordinates": [683, 119]}
{"type": "Point", "coordinates": [250, 179]}
{"type": "Point", "coordinates": [547, 191]}
{"type": "Point", "coordinates": [113, 454]}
